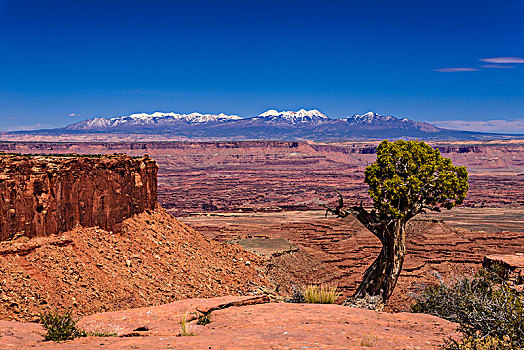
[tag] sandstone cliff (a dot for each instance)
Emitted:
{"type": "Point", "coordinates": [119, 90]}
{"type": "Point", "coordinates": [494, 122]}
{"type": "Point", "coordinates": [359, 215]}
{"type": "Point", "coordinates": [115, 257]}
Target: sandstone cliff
{"type": "Point", "coordinates": [45, 195]}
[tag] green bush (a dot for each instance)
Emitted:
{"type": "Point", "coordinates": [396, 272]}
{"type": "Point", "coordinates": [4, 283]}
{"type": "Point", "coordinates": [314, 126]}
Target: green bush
{"type": "Point", "coordinates": [60, 327]}
{"type": "Point", "coordinates": [489, 309]}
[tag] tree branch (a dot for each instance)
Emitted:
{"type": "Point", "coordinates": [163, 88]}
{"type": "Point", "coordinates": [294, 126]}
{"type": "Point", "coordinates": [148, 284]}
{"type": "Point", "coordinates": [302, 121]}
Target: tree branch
{"type": "Point", "coordinates": [370, 220]}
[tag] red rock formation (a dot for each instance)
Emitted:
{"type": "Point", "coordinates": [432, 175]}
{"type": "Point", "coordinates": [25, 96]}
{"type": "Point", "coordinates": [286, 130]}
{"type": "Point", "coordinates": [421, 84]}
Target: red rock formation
{"type": "Point", "coordinates": [256, 175]}
{"type": "Point", "coordinates": [41, 196]}
{"type": "Point", "coordinates": [155, 259]}
{"type": "Point", "coordinates": [508, 262]}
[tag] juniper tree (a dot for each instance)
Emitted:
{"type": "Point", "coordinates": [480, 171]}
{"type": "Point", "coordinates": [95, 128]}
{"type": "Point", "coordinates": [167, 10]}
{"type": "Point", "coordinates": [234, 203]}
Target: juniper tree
{"type": "Point", "coordinates": [407, 178]}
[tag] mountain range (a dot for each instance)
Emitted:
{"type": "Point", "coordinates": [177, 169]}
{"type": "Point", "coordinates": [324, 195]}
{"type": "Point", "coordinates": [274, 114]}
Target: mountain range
{"type": "Point", "coordinates": [270, 125]}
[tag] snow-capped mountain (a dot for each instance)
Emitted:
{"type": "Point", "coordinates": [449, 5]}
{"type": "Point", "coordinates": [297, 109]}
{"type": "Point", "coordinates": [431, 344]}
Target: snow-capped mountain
{"type": "Point", "coordinates": [372, 120]}
{"type": "Point", "coordinates": [301, 116]}
{"type": "Point", "coordinates": [371, 117]}
{"type": "Point", "coordinates": [157, 118]}
{"type": "Point", "coordinates": [270, 125]}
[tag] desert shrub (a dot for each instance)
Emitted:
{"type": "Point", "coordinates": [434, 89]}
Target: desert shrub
{"type": "Point", "coordinates": [204, 318]}
{"type": "Point", "coordinates": [321, 294]}
{"type": "Point", "coordinates": [60, 327]}
{"type": "Point", "coordinates": [471, 343]}
{"type": "Point", "coordinates": [489, 309]}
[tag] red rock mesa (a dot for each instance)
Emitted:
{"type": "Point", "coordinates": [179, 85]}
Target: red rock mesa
{"type": "Point", "coordinates": [45, 195]}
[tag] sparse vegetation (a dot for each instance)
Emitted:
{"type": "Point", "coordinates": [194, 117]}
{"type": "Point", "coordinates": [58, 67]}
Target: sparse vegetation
{"type": "Point", "coordinates": [184, 326]}
{"type": "Point", "coordinates": [321, 294]}
{"type": "Point", "coordinates": [475, 343]}
{"type": "Point", "coordinates": [368, 341]}
{"type": "Point", "coordinates": [489, 309]}
{"type": "Point", "coordinates": [204, 318]}
{"type": "Point", "coordinates": [60, 327]}
{"type": "Point", "coordinates": [297, 295]}
{"type": "Point", "coordinates": [101, 334]}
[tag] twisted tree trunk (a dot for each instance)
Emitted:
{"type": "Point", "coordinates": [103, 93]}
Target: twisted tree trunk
{"type": "Point", "coordinates": [381, 276]}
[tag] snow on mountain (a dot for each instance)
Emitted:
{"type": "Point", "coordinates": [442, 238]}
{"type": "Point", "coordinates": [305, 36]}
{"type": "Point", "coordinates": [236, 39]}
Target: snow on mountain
{"type": "Point", "coordinates": [372, 117]}
{"type": "Point", "coordinates": [94, 123]}
{"type": "Point", "coordinates": [149, 119]}
{"type": "Point", "coordinates": [374, 120]}
{"type": "Point", "coordinates": [301, 116]}
{"type": "Point", "coordinates": [215, 124]}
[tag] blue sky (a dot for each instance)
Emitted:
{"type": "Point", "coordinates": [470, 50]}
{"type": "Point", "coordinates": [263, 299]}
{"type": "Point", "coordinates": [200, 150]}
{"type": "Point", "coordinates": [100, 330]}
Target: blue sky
{"type": "Point", "coordinates": [62, 61]}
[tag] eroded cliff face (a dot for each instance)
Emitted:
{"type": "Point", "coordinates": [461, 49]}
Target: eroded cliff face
{"type": "Point", "coordinates": [41, 196]}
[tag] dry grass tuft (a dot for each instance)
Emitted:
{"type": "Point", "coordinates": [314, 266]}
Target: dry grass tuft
{"type": "Point", "coordinates": [321, 294]}
{"type": "Point", "coordinates": [368, 341]}
{"type": "Point", "coordinates": [184, 326]}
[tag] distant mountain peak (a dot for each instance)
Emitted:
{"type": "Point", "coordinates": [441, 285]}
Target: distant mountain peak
{"type": "Point", "coordinates": [156, 118]}
{"type": "Point", "coordinates": [294, 117]}
{"type": "Point", "coordinates": [370, 117]}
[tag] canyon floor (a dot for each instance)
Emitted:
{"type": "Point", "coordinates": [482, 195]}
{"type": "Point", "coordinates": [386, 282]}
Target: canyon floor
{"type": "Point", "coordinates": [308, 247]}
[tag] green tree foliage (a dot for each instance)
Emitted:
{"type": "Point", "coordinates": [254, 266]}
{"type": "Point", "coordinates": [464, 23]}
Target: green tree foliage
{"type": "Point", "coordinates": [410, 176]}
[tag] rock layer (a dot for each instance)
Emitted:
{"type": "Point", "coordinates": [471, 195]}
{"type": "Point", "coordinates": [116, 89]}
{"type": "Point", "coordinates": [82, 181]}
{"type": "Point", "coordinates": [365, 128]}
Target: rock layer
{"type": "Point", "coordinates": [45, 195]}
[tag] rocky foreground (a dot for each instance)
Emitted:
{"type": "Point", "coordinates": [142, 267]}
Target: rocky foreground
{"type": "Point", "coordinates": [244, 323]}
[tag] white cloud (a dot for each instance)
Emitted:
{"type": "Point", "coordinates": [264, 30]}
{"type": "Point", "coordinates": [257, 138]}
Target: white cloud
{"type": "Point", "coordinates": [74, 115]}
{"type": "Point", "coordinates": [448, 70]}
{"type": "Point", "coordinates": [514, 126]}
{"type": "Point", "coordinates": [27, 127]}
{"type": "Point", "coordinates": [496, 66]}
{"type": "Point", "coordinates": [503, 60]}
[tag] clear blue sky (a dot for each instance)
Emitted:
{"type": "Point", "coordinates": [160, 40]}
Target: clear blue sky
{"type": "Point", "coordinates": [90, 58]}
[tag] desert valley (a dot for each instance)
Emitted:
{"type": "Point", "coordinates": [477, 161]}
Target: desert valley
{"type": "Point", "coordinates": [249, 222]}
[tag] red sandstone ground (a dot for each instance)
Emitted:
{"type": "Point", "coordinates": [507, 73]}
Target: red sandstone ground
{"type": "Point", "coordinates": [244, 323]}
{"type": "Point", "coordinates": [156, 259]}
